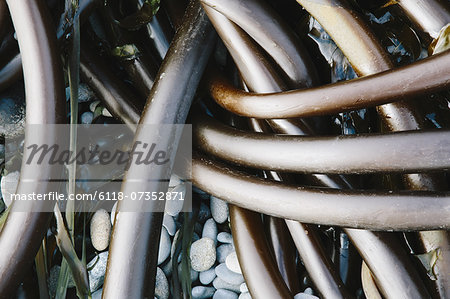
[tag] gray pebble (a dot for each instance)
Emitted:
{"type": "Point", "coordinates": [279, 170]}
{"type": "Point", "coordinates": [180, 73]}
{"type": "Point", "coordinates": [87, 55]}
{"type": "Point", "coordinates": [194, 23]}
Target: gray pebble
{"type": "Point", "coordinates": [219, 283]}
{"type": "Point", "coordinates": [219, 210]}
{"type": "Point", "coordinates": [97, 294]}
{"type": "Point", "coordinates": [224, 237]}
{"type": "Point", "coordinates": [206, 277]}
{"type": "Point", "coordinates": [232, 263]}
{"type": "Point", "coordinates": [225, 294]}
{"type": "Point", "coordinates": [164, 246]}
{"type": "Point", "coordinates": [305, 296]}
{"type": "Point", "coordinates": [245, 295]}
{"type": "Point", "coordinates": [243, 288]}
{"type": "Point", "coordinates": [308, 291]}
{"type": "Point", "coordinates": [229, 276]}
{"type": "Point", "coordinates": [210, 230]}
{"type": "Point", "coordinates": [223, 251]}
{"type": "Point", "coordinates": [161, 285]}
{"type": "Point", "coordinates": [201, 292]}
{"type": "Point", "coordinates": [203, 213]}
{"type": "Point", "coordinates": [100, 229]}
{"type": "Point", "coordinates": [87, 117]}
{"type": "Point", "coordinates": [169, 224]}
{"type": "Point", "coordinates": [174, 207]}
{"type": "Point", "coordinates": [9, 185]}
{"type": "Point", "coordinates": [203, 254]}
{"type": "Point", "coordinates": [105, 112]}
{"type": "Point", "coordinates": [97, 272]}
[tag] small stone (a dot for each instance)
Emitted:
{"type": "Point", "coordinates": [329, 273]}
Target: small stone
{"type": "Point", "coordinates": [97, 294]}
{"type": "Point", "coordinates": [210, 230]}
{"type": "Point", "coordinates": [169, 224]}
{"type": "Point", "coordinates": [113, 213]}
{"type": "Point", "coordinates": [94, 105]}
{"type": "Point", "coordinates": [219, 283]}
{"type": "Point", "coordinates": [229, 276]}
{"type": "Point", "coordinates": [305, 296]}
{"type": "Point", "coordinates": [232, 263]}
{"type": "Point", "coordinates": [174, 181]}
{"type": "Point", "coordinates": [106, 113]}
{"type": "Point", "coordinates": [203, 213]}
{"type": "Point", "coordinates": [219, 210]}
{"type": "Point", "coordinates": [201, 292]}
{"type": "Point", "coordinates": [224, 237]}
{"type": "Point", "coordinates": [100, 229]}
{"type": "Point", "coordinates": [223, 251]}
{"type": "Point", "coordinates": [203, 254]}
{"type": "Point", "coordinates": [206, 277]}
{"type": "Point", "coordinates": [174, 207]}
{"type": "Point", "coordinates": [164, 246]}
{"type": "Point", "coordinates": [9, 185]}
{"type": "Point", "coordinates": [225, 294]}
{"type": "Point", "coordinates": [161, 285]}
{"type": "Point", "coordinates": [245, 295]}
{"type": "Point", "coordinates": [243, 288]}
{"type": "Point", "coordinates": [98, 270]}
{"type": "Point", "coordinates": [308, 291]}
{"type": "Point", "coordinates": [87, 117]}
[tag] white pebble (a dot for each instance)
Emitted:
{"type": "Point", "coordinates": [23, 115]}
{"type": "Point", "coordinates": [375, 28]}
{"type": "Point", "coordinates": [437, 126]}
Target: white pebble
{"type": "Point", "coordinates": [97, 271]}
{"type": "Point", "coordinates": [308, 291]}
{"type": "Point", "coordinates": [210, 230]}
{"type": "Point", "coordinates": [225, 294]}
{"type": "Point", "coordinates": [161, 285]}
{"type": "Point", "coordinates": [106, 113]}
{"type": "Point", "coordinates": [100, 229]}
{"type": "Point", "coordinates": [87, 117]}
{"type": "Point", "coordinates": [229, 276]}
{"type": "Point", "coordinates": [232, 263]}
{"type": "Point", "coordinates": [97, 294]}
{"type": "Point", "coordinates": [243, 288]}
{"type": "Point", "coordinates": [174, 207]}
{"type": "Point", "coordinates": [206, 277]}
{"type": "Point", "coordinates": [219, 283]}
{"type": "Point", "coordinates": [224, 237]}
{"type": "Point", "coordinates": [169, 224]}
{"type": "Point", "coordinates": [9, 185]}
{"type": "Point", "coordinates": [245, 295]}
{"type": "Point", "coordinates": [223, 251]}
{"type": "Point", "coordinates": [201, 292]}
{"type": "Point", "coordinates": [219, 209]}
{"type": "Point", "coordinates": [305, 296]}
{"type": "Point", "coordinates": [164, 246]}
{"type": "Point", "coordinates": [203, 254]}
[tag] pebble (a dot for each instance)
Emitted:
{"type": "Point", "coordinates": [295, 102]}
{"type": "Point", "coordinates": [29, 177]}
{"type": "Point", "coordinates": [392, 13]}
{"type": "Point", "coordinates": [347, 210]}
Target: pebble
{"type": "Point", "coordinates": [100, 229]}
{"type": "Point", "coordinates": [94, 105]}
{"type": "Point", "coordinates": [9, 185]}
{"type": "Point", "coordinates": [232, 263]}
{"type": "Point", "coordinates": [219, 283]}
{"type": "Point", "coordinates": [245, 295]}
{"type": "Point", "coordinates": [161, 285]}
{"type": "Point", "coordinates": [174, 207]}
{"type": "Point", "coordinates": [206, 277]}
{"type": "Point", "coordinates": [243, 288]}
{"type": "Point", "coordinates": [223, 251]}
{"type": "Point", "coordinates": [308, 291]}
{"type": "Point", "coordinates": [174, 181]}
{"type": "Point", "coordinates": [106, 113]}
{"type": "Point", "coordinates": [229, 276]}
{"type": "Point", "coordinates": [167, 268]}
{"type": "Point", "coordinates": [219, 210]}
{"type": "Point", "coordinates": [224, 237]}
{"type": "Point", "coordinates": [210, 230]}
{"type": "Point", "coordinates": [87, 117]}
{"type": "Point", "coordinates": [225, 294]}
{"type": "Point", "coordinates": [203, 254]}
{"type": "Point", "coordinates": [164, 246]}
{"type": "Point", "coordinates": [169, 224]}
{"type": "Point", "coordinates": [203, 213]}
{"type": "Point", "coordinates": [201, 292]}
{"type": "Point", "coordinates": [305, 296]}
{"type": "Point", "coordinates": [97, 294]}
{"type": "Point", "coordinates": [98, 270]}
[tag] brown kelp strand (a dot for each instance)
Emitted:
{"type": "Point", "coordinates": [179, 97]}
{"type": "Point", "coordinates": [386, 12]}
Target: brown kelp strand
{"type": "Point", "coordinates": [253, 250]}
{"type": "Point", "coordinates": [428, 15]}
{"type": "Point", "coordinates": [391, 152]}
{"type": "Point", "coordinates": [22, 233]}
{"type": "Point", "coordinates": [420, 78]}
{"type": "Point", "coordinates": [135, 255]}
